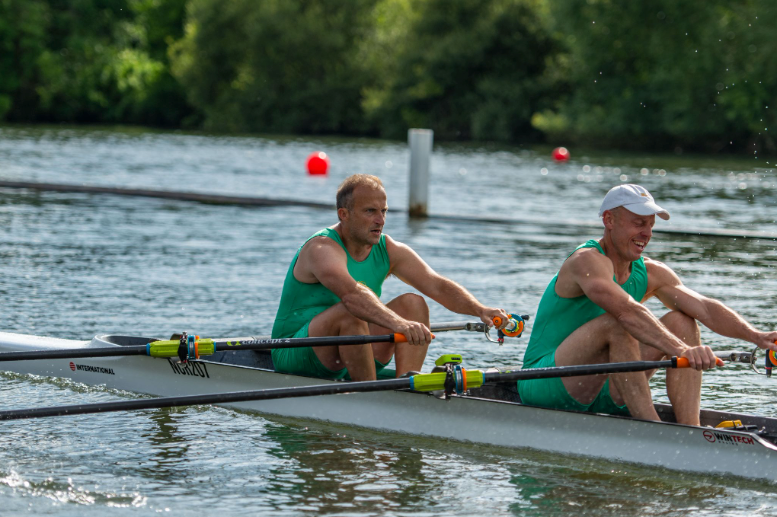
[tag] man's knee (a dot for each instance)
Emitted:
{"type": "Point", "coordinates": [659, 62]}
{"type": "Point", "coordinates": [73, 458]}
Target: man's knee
{"type": "Point", "coordinates": [338, 320]}
{"type": "Point", "coordinates": [612, 328]}
{"type": "Point", "coordinates": [409, 305]}
{"type": "Point", "coordinates": [351, 324]}
{"type": "Point", "coordinates": [682, 326]}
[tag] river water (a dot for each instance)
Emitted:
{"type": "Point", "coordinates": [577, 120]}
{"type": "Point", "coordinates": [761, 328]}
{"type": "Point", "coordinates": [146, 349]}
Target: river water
{"type": "Point", "coordinates": [75, 265]}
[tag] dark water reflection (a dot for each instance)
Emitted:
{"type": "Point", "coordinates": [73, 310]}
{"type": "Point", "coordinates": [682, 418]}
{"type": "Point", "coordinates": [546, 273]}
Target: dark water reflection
{"type": "Point", "coordinates": [74, 265]}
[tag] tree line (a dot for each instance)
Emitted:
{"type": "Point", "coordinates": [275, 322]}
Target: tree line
{"type": "Point", "coordinates": [653, 74]}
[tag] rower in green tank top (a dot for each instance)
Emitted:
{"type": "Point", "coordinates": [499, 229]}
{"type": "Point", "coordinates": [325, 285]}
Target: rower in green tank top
{"type": "Point", "coordinates": [333, 288]}
{"type": "Point", "coordinates": [593, 312]}
{"type": "Point", "coordinates": [556, 319]}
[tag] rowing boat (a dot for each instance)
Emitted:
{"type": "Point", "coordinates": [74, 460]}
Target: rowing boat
{"type": "Point", "coordinates": [491, 414]}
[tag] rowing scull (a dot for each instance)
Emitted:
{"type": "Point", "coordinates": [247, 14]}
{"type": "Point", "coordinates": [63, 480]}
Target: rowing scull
{"type": "Point", "coordinates": [490, 415]}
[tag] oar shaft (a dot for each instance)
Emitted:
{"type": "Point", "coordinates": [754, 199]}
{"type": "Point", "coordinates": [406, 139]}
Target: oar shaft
{"type": "Point", "coordinates": [215, 398]}
{"type": "Point", "coordinates": [583, 369]}
{"type": "Point", "coordinates": [736, 357]}
{"type": "Point", "coordinates": [447, 326]}
{"type": "Point", "coordinates": [169, 348]}
{"type": "Point", "coordinates": [74, 353]}
{"type": "Point", "coordinates": [268, 344]}
{"type": "Point", "coordinates": [421, 382]}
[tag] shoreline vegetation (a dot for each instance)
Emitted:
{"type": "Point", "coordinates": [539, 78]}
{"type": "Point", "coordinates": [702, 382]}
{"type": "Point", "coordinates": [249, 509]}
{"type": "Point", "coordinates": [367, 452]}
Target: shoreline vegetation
{"type": "Point", "coordinates": [669, 75]}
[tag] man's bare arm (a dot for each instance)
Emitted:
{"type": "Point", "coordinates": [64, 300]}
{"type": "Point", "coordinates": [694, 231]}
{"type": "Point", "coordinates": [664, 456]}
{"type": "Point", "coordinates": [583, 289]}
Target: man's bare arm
{"type": "Point", "coordinates": [414, 271]}
{"type": "Point", "coordinates": [593, 273]}
{"type": "Point", "coordinates": [712, 313]}
{"type": "Point", "coordinates": [322, 260]}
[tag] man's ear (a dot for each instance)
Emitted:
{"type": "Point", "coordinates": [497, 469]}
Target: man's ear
{"type": "Point", "coordinates": [608, 218]}
{"type": "Point", "coordinates": [342, 213]}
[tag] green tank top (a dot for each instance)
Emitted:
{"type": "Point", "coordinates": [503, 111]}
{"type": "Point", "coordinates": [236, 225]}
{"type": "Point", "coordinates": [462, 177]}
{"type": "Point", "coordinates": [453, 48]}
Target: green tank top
{"type": "Point", "coordinates": [301, 302]}
{"type": "Point", "coordinates": [558, 317]}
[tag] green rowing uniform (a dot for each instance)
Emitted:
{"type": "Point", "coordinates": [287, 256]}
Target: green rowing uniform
{"type": "Point", "coordinates": [301, 302]}
{"type": "Point", "coordinates": [557, 318]}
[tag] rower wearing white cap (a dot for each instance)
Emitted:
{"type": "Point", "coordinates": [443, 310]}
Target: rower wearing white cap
{"type": "Point", "coordinates": [592, 312]}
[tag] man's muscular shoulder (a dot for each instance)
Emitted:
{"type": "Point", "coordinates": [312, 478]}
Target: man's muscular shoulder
{"type": "Point", "coordinates": [583, 264]}
{"type": "Point", "coordinates": [587, 261]}
{"type": "Point", "coordinates": [659, 275]}
{"type": "Point", "coordinates": [317, 252]}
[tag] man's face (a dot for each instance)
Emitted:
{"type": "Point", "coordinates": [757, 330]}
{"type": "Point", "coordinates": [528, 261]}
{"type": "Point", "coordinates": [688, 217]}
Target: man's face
{"type": "Point", "coordinates": [365, 219]}
{"type": "Point", "coordinates": [630, 232]}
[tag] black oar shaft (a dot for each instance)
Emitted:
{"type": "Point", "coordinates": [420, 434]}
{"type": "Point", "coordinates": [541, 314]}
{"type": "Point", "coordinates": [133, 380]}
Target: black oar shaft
{"type": "Point", "coordinates": [269, 344]}
{"type": "Point", "coordinates": [74, 353]}
{"type": "Point", "coordinates": [578, 370]}
{"type": "Point", "coordinates": [221, 344]}
{"type": "Point", "coordinates": [251, 343]}
{"type": "Point", "coordinates": [324, 389]}
{"type": "Point", "coordinates": [215, 398]}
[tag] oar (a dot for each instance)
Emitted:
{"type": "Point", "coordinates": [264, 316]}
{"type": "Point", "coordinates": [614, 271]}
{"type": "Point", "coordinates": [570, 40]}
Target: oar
{"type": "Point", "coordinates": [194, 348]}
{"type": "Point", "coordinates": [201, 347]}
{"type": "Point", "coordinates": [456, 378]}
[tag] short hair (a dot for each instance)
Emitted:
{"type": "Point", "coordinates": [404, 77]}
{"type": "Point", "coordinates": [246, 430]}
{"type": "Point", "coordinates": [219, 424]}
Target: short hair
{"type": "Point", "coordinates": [346, 188]}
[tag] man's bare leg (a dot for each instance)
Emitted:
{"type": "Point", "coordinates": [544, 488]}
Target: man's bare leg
{"type": "Point", "coordinates": [408, 357]}
{"type": "Point", "coordinates": [603, 340]}
{"type": "Point", "coordinates": [358, 359]}
{"type": "Point", "coordinates": [631, 388]}
{"type": "Point", "coordinates": [683, 385]}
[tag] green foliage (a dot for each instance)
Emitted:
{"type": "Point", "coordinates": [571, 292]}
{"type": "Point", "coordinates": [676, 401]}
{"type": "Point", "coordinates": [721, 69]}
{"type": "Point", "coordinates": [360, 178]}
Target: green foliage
{"type": "Point", "coordinates": [667, 72]}
{"type": "Point", "coordinates": [276, 65]}
{"type": "Point", "coordinates": [467, 69]}
{"type": "Point", "coordinates": [23, 34]}
{"type": "Point", "coordinates": [627, 73]}
{"type": "Point", "coordinates": [89, 61]}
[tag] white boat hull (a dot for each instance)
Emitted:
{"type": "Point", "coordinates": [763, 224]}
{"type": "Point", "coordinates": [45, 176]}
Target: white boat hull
{"type": "Point", "coordinates": [466, 418]}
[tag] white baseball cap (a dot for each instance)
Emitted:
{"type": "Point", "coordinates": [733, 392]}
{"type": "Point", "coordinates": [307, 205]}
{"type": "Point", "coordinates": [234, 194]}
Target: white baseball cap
{"type": "Point", "coordinates": [633, 198]}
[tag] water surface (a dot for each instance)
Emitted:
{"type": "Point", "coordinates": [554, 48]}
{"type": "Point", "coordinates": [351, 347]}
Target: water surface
{"type": "Point", "coordinates": [75, 265]}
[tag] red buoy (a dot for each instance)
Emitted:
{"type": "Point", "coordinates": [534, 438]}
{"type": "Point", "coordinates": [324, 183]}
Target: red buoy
{"type": "Point", "coordinates": [560, 154]}
{"type": "Point", "coordinates": [318, 164]}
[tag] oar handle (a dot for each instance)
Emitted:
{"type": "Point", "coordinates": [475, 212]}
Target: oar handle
{"type": "Point", "coordinates": [400, 338]}
{"type": "Point", "coordinates": [682, 362]}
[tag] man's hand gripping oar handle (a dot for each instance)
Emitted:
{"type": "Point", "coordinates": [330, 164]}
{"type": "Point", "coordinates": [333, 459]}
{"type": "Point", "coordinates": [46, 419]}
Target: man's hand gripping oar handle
{"type": "Point", "coordinates": [682, 362]}
{"type": "Point", "coordinates": [400, 338]}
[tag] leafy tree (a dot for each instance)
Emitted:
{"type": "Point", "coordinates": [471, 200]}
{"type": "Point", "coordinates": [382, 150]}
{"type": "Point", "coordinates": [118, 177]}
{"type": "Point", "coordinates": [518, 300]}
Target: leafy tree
{"type": "Point", "coordinates": [467, 69]}
{"type": "Point", "coordinates": [665, 73]}
{"type": "Point", "coordinates": [23, 35]}
{"type": "Point", "coordinates": [277, 65]}
{"type": "Point", "coordinates": [89, 61]}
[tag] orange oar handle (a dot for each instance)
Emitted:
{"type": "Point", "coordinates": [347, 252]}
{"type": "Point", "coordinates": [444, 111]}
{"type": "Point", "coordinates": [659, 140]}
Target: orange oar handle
{"type": "Point", "coordinates": [682, 362]}
{"type": "Point", "coordinates": [400, 338]}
